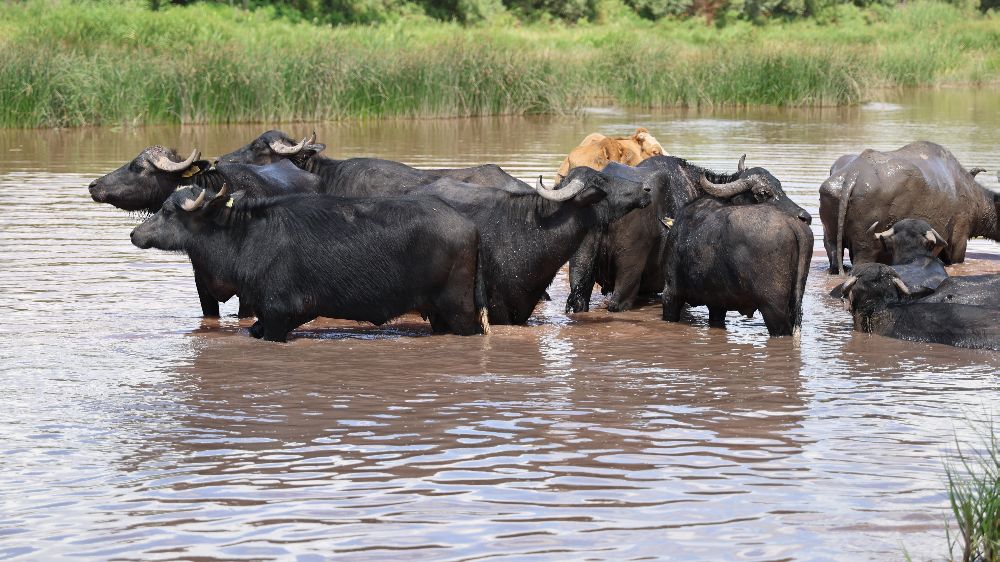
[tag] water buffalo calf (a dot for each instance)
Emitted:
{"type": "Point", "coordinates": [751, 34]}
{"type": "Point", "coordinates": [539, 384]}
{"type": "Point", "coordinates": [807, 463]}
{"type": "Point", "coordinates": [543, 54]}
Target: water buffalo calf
{"type": "Point", "coordinates": [877, 299]}
{"type": "Point", "coordinates": [297, 257]}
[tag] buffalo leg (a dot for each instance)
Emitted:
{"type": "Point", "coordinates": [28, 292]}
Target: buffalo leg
{"type": "Point", "coordinates": [581, 274]}
{"type": "Point", "coordinates": [626, 289]}
{"type": "Point", "coordinates": [777, 320]}
{"type": "Point", "coordinates": [831, 250]}
{"type": "Point", "coordinates": [716, 317]}
{"type": "Point", "coordinates": [246, 310]}
{"type": "Point", "coordinates": [209, 304]}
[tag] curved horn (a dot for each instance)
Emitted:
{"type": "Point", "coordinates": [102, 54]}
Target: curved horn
{"type": "Point", "coordinates": [167, 165]}
{"type": "Point", "coordinates": [976, 171]}
{"type": "Point", "coordinates": [189, 205]}
{"type": "Point", "coordinates": [900, 285]}
{"type": "Point", "coordinates": [885, 233]}
{"type": "Point", "coordinates": [725, 189]}
{"type": "Point", "coordinates": [742, 166]}
{"type": "Point", "coordinates": [222, 194]}
{"type": "Point", "coordinates": [848, 284]}
{"type": "Point", "coordinates": [285, 150]}
{"type": "Point", "coordinates": [575, 186]}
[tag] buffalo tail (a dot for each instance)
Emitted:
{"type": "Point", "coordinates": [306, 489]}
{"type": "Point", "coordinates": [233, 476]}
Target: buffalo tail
{"type": "Point", "coordinates": [845, 197]}
{"type": "Point", "coordinates": [479, 295]}
{"type": "Point", "coordinates": [805, 243]}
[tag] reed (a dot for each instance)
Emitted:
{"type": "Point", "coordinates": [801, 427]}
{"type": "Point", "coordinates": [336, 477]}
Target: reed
{"type": "Point", "coordinates": [81, 63]}
{"type": "Point", "coordinates": [974, 493]}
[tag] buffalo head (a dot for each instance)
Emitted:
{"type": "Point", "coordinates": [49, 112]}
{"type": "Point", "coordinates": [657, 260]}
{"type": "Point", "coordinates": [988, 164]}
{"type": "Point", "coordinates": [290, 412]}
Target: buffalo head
{"type": "Point", "coordinates": [870, 289]}
{"type": "Point", "coordinates": [586, 186]}
{"type": "Point", "coordinates": [274, 146]}
{"type": "Point", "coordinates": [755, 185]}
{"type": "Point", "coordinates": [185, 215]}
{"type": "Point", "coordinates": [910, 239]}
{"type": "Point", "coordinates": [145, 183]}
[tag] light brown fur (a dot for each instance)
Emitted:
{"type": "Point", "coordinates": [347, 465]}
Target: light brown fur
{"type": "Point", "coordinates": [597, 150]}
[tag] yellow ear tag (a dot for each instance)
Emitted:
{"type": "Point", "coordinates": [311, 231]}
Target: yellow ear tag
{"type": "Point", "coordinates": [229, 203]}
{"type": "Point", "coordinates": [191, 171]}
{"type": "Point", "coordinates": [667, 222]}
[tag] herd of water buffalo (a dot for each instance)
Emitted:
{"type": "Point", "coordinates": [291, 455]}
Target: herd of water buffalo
{"type": "Point", "coordinates": [296, 235]}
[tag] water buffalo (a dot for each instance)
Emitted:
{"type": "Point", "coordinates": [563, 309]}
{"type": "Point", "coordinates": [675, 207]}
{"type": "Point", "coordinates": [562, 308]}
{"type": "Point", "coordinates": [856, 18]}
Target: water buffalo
{"type": "Point", "coordinates": [148, 180]}
{"type": "Point", "coordinates": [735, 254]}
{"type": "Point", "coordinates": [527, 237]}
{"type": "Point", "coordinates": [920, 180]}
{"type": "Point", "coordinates": [627, 259]}
{"type": "Point", "coordinates": [913, 246]}
{"type": "Point", "coordinates": [877, 299]}
{"type": "Point", "coordinates": [297, 257]}
{"type": "Point", "coordinates": [597, 151]}
{"type": "Point", "coordinates": [361, 177]}
{"type": "Point", "coordinates": [978, 290]}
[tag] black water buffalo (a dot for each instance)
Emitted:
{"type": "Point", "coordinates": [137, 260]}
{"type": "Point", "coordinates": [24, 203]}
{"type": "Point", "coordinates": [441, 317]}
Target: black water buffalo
{"type": "Point", "coordinates": [148, 180]}
{"type": "Point", "coordinates": [735, 254]}
{"type": "Point", "coordinates": [362, 177]}
{"type": "Point", "coordinates": [977, 290]}
{"type": "Point", "coordinates": [913, 246]}
{"type": "Point", "coordinates": [877, 299]}
{"type": "Point", "coordinates": [627, 259]}
{"type": "Point", "coordinates": [920, 180]}
{"type": "Point", "coordinates": [527, 237]}
{"type": "Point", "coordinates": [297, 257]}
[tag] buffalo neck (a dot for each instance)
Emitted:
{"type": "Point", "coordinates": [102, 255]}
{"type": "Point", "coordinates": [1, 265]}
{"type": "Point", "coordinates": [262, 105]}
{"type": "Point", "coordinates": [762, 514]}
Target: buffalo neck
{"type": "Point", "coordinates": [325, 168]}
{"type": "Point", "coordinates": [212, 179]}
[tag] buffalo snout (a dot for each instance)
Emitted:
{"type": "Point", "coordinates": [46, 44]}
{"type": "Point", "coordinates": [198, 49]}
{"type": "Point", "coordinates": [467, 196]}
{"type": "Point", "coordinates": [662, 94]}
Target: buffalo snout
{"type": "Point", "coordinates": [805, 217]}
{"type": "Point", "coordinates": [98, 193]}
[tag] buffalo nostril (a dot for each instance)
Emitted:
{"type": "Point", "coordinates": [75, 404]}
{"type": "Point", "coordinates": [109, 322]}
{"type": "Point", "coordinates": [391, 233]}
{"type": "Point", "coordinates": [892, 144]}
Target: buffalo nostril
{"type": "Point", "coordinates": [805, 217]}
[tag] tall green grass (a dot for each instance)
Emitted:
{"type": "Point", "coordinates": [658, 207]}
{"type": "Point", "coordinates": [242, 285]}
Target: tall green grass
{"type": "Point", "coordinates": [68, 63]}
{"type": "Point", "coordinates": [974, 493]}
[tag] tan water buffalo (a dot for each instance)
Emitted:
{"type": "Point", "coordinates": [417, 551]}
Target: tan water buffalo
{"type": "Point", "coordinates": [597, 150]}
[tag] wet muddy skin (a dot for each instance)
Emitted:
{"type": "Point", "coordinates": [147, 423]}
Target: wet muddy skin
{"type": "Point", "coordinates": [130, 428]}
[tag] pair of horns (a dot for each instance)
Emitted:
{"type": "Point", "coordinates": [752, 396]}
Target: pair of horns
{"type": "Point", "coordinates": [575, 186]}
{"type": "Point", "coordinates": [193, 205]}
{"type": "Point", "coordinates": [280, 147]}
{"type": "Point", "coordinates": [162, 162]}
{"type": "Point", "coordinates": [846, 287]}
{"type": "Point", "coordinates": [733, 188]}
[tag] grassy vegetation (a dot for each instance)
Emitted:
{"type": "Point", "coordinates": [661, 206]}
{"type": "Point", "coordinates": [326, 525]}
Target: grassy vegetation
{"type": "Point", "coordinates": [78, 63]}
{"type": "Point", "coordinates": [974, 492]}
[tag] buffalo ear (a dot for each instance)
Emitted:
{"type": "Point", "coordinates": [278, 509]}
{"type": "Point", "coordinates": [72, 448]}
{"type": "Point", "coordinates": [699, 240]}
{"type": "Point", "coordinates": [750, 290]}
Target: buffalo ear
{"type": "Point", "coordinates": [591, 195]}
{"type": "Point", "coordinates": [313, 149]}
{"type": "Point", "coordinates": [197, 167]}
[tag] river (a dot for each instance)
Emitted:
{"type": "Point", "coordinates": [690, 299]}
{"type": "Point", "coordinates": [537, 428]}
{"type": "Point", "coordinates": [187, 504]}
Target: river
{"type": "Point", "coordinates": [132, 429]}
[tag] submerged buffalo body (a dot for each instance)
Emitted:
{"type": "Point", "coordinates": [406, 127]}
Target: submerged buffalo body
{"type": "Point", "coordinates": [627, 259]}
{"type": "Point", "coordinates": [148, 180]}
{"type": "Point", "coordinates": [879, 303]}
{"type": "Point", "coordinates": [297, 257]}
{"type": "Point", "coordinates": [874, 190]}
{"type": "Point", "coordinates": [742, 257]}
{"type": "Point", "coordinates": [361, 177]}
{"type": "Point", "coordinates": [978, 290]}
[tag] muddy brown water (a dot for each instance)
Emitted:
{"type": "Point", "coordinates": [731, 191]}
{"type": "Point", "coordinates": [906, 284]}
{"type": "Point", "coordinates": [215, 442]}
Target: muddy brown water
{"type": "Point", "coordinates": [132, 429]}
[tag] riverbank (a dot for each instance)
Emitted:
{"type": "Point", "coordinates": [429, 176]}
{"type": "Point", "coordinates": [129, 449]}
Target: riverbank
{"type": "Point", "coordinates": [72, 64]}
